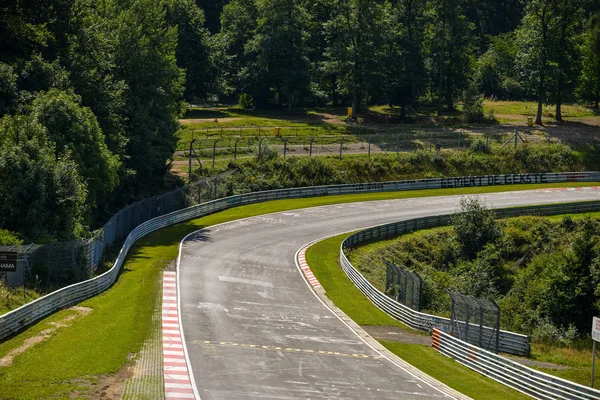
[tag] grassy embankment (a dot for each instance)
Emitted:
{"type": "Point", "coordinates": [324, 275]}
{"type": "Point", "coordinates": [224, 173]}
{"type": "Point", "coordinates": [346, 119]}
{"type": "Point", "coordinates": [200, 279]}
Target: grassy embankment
{"type": "Point", "coordinates": [76, 357]}
{"type": "Point", "coordinates": [427, 246]}
{"type": "Point", "coordinates": [323, 260]}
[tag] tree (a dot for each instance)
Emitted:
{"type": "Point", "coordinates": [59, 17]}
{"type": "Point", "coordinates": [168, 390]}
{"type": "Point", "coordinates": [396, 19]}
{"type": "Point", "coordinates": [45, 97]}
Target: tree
{"type": "Point", "coordinates": [403, 51]}
{"type": "Point", "coordinates": [146, 62]}
{"type": "Point", "coordinates": [41, 196]}
{"type": "Point", "coordinates": [451, 50]}
{"type": "Point", "coordinates": [474, 226]}
{"type": "Point", "coordinates": [547, 55]}
{"type": "Point", "coordinates": [589, 82]}
{"type": "Point", "coordinates": [75, 131]}
{"type": "Point", "coordinates": [193, 47]}
{"type": "Point", "coordinates": [238, 22]}
{"type": "Point", "coordinates": [564, 54]}
{"type": "Point", "coordinates": [354, 38]}
{"type": "Point", "coordinates": [277, 52]}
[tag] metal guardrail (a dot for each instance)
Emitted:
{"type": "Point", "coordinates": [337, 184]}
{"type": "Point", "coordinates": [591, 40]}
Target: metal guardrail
{"type": "Point", "coordinates": [25, 315]}
{"type": "Point", "coordinates": [510, 342]}
{"type": "Point", "coordinates": [526, 380]}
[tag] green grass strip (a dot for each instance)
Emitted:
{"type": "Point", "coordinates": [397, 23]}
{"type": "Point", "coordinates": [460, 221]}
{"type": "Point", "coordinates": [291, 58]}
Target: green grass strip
{"type": "Point", "coordinates": [323, 259]}
{"type": "Point", "coordinates": [76, 357]}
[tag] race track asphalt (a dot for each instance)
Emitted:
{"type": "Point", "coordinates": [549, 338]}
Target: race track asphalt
{"type": "Point", "coordinates": [254, 329]}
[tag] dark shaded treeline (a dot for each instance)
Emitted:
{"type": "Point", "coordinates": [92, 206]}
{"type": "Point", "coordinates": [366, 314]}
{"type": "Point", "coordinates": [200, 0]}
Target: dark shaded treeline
{"type": "Point", "coordinates": [90, 91]}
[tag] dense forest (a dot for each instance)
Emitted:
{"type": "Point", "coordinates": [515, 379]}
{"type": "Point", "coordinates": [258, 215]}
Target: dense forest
{"type": "Point", "coordinates": [90, 92]}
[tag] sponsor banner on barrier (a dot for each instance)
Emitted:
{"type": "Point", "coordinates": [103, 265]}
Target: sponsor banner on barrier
{"type": "Point", "coordinates": [489, 180]}
{"type": "Point", "coordinates": [8, 261]}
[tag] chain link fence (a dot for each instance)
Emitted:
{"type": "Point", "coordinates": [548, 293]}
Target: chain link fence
{"type": "Point", "coordinates": [403, 286]}
{"type": "Point", "coordinates": [476, 321]}
{"type": "Point", "coordinates": [64, 263]}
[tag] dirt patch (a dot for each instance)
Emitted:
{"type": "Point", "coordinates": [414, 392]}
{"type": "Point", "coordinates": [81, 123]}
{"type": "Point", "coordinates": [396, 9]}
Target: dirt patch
{"type": "Point", "coordinates": [395, 334]}
{"type": "Point", "coordinates": [110, 387]}
{"type": "Point", "coordinates": [43, 335]}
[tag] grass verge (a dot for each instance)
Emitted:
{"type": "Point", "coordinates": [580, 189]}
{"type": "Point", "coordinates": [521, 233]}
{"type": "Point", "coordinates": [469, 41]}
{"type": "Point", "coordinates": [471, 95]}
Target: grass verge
{"type": "Point", "coordinates": [323, 260]}
{"type": "Point", "coordinates": [73, 361]}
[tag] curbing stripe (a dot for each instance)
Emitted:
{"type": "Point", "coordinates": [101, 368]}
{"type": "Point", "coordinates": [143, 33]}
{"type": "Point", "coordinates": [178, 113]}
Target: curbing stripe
{"type": "Point", "coordinates": [175, 368]}
{"type": "Point", "coordinates": [308, 275]}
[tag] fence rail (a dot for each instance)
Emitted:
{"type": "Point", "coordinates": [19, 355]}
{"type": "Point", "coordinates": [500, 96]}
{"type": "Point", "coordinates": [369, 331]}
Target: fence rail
{"type": "Point", "coordinates": [509, 342]}
{"type": "Point", "coordinates": [23, 316]}
{"type": "Point", "coordinates": [526, 380]}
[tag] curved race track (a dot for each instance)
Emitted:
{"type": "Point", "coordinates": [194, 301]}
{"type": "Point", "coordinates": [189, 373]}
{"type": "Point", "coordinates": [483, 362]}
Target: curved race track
{"type": "Point", "coordinates": [254, 329]}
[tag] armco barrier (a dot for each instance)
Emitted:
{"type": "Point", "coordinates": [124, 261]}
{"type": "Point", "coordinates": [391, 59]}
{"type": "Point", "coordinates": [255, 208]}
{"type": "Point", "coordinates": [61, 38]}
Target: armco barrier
{"type": "Point", "coordinates": [510, 342]}
{"type": "Point", "coordinates": [23, 316]}
{"type": "Point", "coordinates": [527, 380]}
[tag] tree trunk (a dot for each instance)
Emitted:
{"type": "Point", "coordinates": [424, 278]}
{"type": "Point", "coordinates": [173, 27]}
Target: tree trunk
{"type": "Point", "coordinates": [439, 110]}
{"type": "Point", "coordinates": [442, 64]}
{"type": "Point", "coordinates": [403, 112]}
{"type": "Point", "coordinates": [538, 119]}
{"type": "Point", "coordinates": [449, 97]}
{"type": "Point", "coordinates": [597, 87]}
{"type": "Point", "coordinates": [558, 110]}
{"type": "Point", "coordinates": [355, 105]}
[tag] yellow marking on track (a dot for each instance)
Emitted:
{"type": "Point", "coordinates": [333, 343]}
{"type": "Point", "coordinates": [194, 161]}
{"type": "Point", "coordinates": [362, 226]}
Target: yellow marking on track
{"type": "Point", "coordinates": [286, 349]}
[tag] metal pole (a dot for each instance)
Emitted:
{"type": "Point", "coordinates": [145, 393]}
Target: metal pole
{"type": "Point", "coordinates": [369, 142]}
{"type": "Point", "coordinates": [593, 362]}
{"type": "Point", "coordinates": [235, 149]}
{"type": "Point", "coordinates": [430, 141]}
{"type": "Point", "coordinates": [341, 147]}
{"type": "Point", "coordinates": [311, 143]}
{"type": "Point", "coordinates": [214, 152]}
{"type": "Point", "coordinates": [190, 162]}
{"type": "Point", "coordinates": [285, 147]}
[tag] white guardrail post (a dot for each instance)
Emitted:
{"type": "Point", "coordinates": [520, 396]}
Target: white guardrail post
{"type": "Point", "coordinates": [18, 319]}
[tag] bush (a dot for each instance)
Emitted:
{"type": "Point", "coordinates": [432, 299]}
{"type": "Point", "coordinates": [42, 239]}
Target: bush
{"type": "Point", "coordinates": [548, 333]}
{"type": "Point", "coordinates": [474, 226]}
{"type": "Point", "coordinates": [246, 101]}
{"type": "Point", "coordinates": [472, 105]}
{"type": "Point", "coordinates": [479, 146]}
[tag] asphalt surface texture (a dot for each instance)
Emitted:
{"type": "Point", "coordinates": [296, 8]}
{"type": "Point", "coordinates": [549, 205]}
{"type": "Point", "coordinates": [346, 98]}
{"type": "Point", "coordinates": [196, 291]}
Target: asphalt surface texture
{"type": "Point", "coordinates": [254, 329]}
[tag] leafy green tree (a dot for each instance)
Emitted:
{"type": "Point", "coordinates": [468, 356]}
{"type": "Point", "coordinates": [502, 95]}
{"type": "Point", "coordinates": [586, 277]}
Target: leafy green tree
{"type": "Point", "coordinates": [41, 196]}
{"type": "Point", "coordinates": [589, 82]}
{"type": "Point", "coordinates": [193, 47]}
{"type": "Point", "coordinates": [8, 88]}
{"type": "Point", "coordinates": [495, 72]}
{"type": "Point", "coordinates": [89, 58]}
{"type": "Point", "coordinates": [238, 22]}
{"type": "Point", "coordinates": [75, 131]}
{"type": "Point", "coordinates": [564, 54]}
{"type": "Point", "coordinates": [547, 56]}
{"type": "Point", "coordinates": [451, 50]}
{"type": "Point", "coordinates": [354, 38]}
{"type": "Point", "coordinates": [146, 62]}
{"type": "Point", "coordinates": [403, 51]}
{"type": "Point", "coordinates": [474, 226]}
{"type": "Point", "coordinates": [278, 52]}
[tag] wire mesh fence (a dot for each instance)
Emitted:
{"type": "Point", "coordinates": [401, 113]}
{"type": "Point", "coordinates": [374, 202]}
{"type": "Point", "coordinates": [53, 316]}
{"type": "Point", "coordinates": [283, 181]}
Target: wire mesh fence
{"type": "Point", "coordinates": [231, 145]}
{"type": "Point", "coordinates": [476, 321]}
{"type": "Point", "coordinates": [64, 263]}
{"type": "Point", "coordinates": [403, 286]}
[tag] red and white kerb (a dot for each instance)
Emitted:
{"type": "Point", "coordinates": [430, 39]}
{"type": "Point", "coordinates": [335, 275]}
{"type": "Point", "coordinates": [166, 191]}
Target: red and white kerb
{"type": "Point", "coordinates": [177, 378]}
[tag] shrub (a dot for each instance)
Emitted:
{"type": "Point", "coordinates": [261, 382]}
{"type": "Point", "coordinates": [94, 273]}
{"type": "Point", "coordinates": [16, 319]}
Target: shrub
{"type": "Point", "coordinates": [479, 146]}
{"type": "Point", "coordinates": [475, 226]}
{"type": "Point", "coordinates": [246, 101]}
{"type": "Point", "coordinates": [472, 105]}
